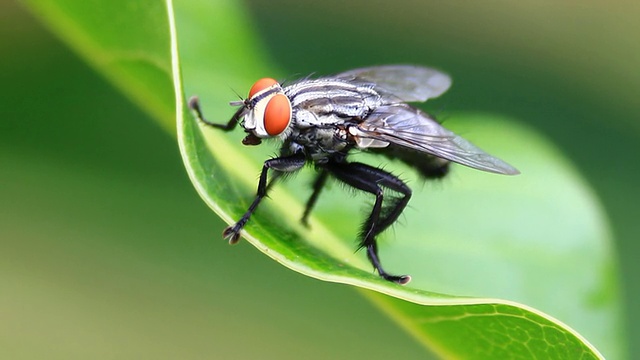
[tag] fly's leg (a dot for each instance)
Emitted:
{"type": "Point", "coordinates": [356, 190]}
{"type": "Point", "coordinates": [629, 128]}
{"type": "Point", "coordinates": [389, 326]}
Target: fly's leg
{"type": "Point", "coordinates": [194, 105]}
{"type": "Point", "coordinates": [370, 179]}
{"type": "Point", "coordinates": [321, 180]}
{"type": "Point", "coordinates": [281, 164]}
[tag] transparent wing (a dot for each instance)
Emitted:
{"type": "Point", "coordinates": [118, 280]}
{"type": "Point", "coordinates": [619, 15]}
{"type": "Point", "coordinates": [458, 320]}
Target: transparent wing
{"type": "Point", "coordinates": [402, 82]}
{"type": "Point", "coordinates": [405, 126]}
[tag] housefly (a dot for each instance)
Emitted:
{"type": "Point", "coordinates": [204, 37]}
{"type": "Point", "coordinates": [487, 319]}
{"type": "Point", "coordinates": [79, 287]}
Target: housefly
{"type": "Point", "coordinates": [320, 121]}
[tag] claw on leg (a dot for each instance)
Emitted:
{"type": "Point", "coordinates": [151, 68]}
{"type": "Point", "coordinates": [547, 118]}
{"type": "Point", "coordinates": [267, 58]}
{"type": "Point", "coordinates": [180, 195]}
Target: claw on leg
{"type": "Point", "coordinates": [232, 234]}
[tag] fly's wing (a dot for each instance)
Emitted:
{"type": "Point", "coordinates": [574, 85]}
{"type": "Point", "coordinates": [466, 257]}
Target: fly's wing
{"type": "Point", "coordinates": [405, 126]}
{"type": "Point", "coordinates": [401, 83]}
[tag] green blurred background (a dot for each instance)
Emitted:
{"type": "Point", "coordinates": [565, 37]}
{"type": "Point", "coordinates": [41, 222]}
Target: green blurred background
{"type": "Point", "coordinates": [105, 248]}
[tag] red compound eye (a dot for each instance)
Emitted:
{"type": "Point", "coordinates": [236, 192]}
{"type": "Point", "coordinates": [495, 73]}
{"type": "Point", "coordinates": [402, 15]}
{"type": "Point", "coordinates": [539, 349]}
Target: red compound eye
{"type": "Point", "coordinates": [277, 114]}
{"type": "Point", "coordinates": [261, 85]}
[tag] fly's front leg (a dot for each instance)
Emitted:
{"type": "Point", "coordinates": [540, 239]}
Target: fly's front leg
{"type": "Point", "coordinates": [281, 164]}
{"type": "Point", "coordinates": [194, 105]}
{"type": "Point", "coordinates": [370, 179]}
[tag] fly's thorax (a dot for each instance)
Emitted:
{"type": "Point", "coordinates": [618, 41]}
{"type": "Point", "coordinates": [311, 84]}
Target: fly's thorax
{"type": "Point", "coordinates": [305, 118]}
{"type": "Point", "coordinates": [327, 101]}
{"type": "Point", "coordinates": [269, 110]}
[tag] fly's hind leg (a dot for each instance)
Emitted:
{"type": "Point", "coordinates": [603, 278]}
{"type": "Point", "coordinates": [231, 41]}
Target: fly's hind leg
{"type": "Point", "coordinates": [371, 180]}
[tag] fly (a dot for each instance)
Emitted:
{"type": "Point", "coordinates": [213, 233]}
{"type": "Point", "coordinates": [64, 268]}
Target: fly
{"type": "Point", "coordinates": [319, 121]}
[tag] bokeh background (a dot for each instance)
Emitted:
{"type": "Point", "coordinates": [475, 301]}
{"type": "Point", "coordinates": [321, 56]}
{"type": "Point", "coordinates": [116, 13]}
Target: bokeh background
{"type": "Point", "coordinates": [105, 248]}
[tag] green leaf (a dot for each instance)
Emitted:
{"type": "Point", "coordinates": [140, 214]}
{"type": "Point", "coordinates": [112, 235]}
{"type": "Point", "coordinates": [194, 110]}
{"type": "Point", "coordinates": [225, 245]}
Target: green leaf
{"type": "Point", "coordinates": [476, 234]}
{"type": "Point", "coordinates": [485, 235]}
{"type": "Point", "coordinates": [473, 258]}
{"type": "Point", "coordinates": [538, 239]}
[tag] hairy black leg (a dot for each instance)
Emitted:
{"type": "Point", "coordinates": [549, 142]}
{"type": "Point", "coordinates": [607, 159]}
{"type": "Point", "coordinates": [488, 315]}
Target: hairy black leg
{"type": "Point", "coordinates": [321, 180]}
{"type": "Point", "coordinates": [194, 105]}
{"type": "Point", "coordinates": [394, 183]}
{"type": "Point", "coordinates": [370, 179]}
{"type": "Point", "coordinates": [281, 164]}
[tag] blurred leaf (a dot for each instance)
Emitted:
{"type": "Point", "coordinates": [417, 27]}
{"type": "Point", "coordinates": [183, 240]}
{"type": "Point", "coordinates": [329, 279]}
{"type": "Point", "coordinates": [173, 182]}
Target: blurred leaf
{"type": "Point", "coordinates": [132, 53]}
{"type": "Point", "coordinates": [538, 239]}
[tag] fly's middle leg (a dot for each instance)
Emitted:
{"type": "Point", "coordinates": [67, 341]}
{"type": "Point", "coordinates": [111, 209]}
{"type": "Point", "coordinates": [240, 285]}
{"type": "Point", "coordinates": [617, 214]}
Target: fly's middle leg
{"type": "Point", "coordinates": [318, 185]}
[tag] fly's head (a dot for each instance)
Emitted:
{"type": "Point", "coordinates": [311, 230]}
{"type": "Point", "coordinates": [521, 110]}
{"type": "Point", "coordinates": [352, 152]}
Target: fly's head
{"type": "Point", "coordinates": [267, 111]}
